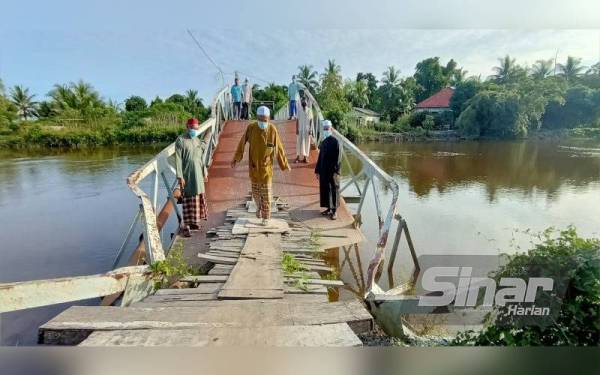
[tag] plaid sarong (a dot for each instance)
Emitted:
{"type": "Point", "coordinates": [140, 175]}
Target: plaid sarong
{"type": "Point", "coordinates": [261, 193]}
{"type": "Point", "coordinates": [194, 209]}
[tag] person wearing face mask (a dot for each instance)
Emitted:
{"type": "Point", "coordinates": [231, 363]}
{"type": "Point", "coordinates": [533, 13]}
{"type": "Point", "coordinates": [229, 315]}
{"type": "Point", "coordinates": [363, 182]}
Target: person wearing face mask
{"type": "Point", "coordinates": [327, 171]}
{"type": "Point", "coordinates": [189, 166]}
{"type": "Point", "coordinates": [264, 147]}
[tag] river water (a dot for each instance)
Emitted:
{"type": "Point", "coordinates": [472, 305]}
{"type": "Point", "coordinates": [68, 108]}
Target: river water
{"type": "Point", "coordinates": [66, 213]}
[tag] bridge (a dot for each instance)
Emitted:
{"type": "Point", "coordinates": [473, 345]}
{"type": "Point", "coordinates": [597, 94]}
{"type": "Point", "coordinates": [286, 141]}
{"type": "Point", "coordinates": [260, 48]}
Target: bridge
{"type": "Point", "coordinates": [245, 296]}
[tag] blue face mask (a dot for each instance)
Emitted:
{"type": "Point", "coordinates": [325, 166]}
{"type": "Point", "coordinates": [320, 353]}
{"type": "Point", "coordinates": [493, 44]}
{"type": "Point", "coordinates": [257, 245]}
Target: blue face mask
{"type": "Point", "coordinates": [326, 133]}
{"type": "Point", "coordinates": [193, 133]}
{"type": "Point", "coordinates": [263, 124]}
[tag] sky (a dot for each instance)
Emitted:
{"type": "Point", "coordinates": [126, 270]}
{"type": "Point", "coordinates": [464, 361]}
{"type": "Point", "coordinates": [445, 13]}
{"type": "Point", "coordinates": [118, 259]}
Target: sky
{"type": "Point", "coordinates": [123, 50]}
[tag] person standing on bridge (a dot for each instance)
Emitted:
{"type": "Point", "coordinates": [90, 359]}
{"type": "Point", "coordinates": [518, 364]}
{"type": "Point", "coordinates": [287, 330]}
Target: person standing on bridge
{"type": "Point", "coordinates": [236, 98]}
{"type": "Point", "coordinates": [328, 171]}
{"type": "Point", "coordinates": [189, 168]}
{"type": "Point", "coordinates": [264, 146]}
{"type": "Point", "coordinates": [246, 100]}
{"type": "Point", "coordinates": [303, 132]}
{"type": "Point", "coordinates": [293, 95]}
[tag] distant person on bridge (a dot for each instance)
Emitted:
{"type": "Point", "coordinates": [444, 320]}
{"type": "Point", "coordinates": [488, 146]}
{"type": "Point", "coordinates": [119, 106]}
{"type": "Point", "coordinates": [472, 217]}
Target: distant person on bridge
{"type": "Point", "coordinates": [328, 171]}
{"type": "Point", "coordinates": [265, 146]}
{"type": "Point", "coordinates": [293, 95]}
{"type": "Point", "coordinates": [189, 165]}
{"type": "Point", "coordinates": [303, 132]}
{"type": "Point", "coordinates": [236, 98]}
{"type": "Point", "coordinates": [246, 100]}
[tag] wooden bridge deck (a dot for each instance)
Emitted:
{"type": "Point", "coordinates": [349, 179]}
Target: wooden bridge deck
{"type": "Point", "coordinates": [228, 188]}
{"type": "Point", "coordinates": [246, 298]}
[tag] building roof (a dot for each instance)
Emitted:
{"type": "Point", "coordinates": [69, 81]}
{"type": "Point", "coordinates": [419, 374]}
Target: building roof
{"type": "Point", "coordinates": [367, 112]}
{"type": "Point", "coordinates": [441, 99]}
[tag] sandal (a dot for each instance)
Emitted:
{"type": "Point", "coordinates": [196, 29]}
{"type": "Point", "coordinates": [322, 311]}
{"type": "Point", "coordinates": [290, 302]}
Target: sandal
{"type": "Point", "coordinates": [333, 216]}
{"type": "Point", "coordinates": [185, 231]}
{"type": "Point", "coordinates": [326, 212]}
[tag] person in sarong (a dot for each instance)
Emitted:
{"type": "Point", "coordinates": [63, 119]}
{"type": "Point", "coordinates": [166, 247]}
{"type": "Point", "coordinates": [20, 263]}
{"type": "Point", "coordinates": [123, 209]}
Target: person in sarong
{"type": "Point", "coordinates": [303, 133]}
{"type": "Point", "coordinates": [264, 147]}
{"type": "Point", "coordinates": [189, 165]}
{"type": "Point", "coordinates": [328, 171]}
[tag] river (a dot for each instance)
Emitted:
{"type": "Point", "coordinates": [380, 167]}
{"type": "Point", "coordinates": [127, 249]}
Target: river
{"type": "Point", "coordinates": [66, 213]}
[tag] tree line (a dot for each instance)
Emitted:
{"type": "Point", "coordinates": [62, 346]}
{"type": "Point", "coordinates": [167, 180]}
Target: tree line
{"type": "Point", "coordinates": [511, 102]}
{"type": "Point", "coordinates": [75, 113]}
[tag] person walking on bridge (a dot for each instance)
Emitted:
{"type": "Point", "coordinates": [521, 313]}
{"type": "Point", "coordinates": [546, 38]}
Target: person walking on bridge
{"type": "Point", "coordinates": [264, 146]}
{"type": "Point", "coordinates": [246, 100]}
{"type": "Point", "coordinates": [293, 95]}
{"type": "Point", "coordinates": [303, 132]}
{"type": "Point", "coordinates": [236, 98]}
{"type": "Point", "coordinates": [189, 168]}
{"type": "Point", "coordinates": [328, 171]}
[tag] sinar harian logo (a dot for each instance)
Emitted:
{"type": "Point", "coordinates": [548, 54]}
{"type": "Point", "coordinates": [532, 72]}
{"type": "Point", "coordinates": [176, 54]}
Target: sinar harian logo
{"type": "Point", "coordinates": [466, 292]}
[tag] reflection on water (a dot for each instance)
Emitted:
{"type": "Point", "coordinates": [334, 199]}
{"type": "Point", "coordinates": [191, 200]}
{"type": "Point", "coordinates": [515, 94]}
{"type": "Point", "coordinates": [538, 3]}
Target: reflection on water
{"type": "Point", "coordinates": [63, 214]}
{"type": "Point", "coordinates": [477, 198]}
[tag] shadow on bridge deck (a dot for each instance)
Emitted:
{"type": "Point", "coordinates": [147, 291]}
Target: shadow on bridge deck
{"type": "Point", "coordinates": [227, 188]}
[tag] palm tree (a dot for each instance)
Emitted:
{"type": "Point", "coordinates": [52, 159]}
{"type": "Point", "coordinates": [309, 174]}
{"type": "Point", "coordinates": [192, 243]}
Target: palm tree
{"type": "Point", "coordinates": [541, 69]}
{"type": "Point", "coordinates": [458, 75]}
{"type": "Point", "coordinates": [24, 102]}
{"type": "Point", "coordinates": [85, 94]}
{"type": "Point", "coordinates": [391, 76]}
{"type": "Point", "coordinates": [332, 69]}
{"type": "Point", "coordinates": [572, 69]}
{"type": "Point", "coordinates": [308, 77]}
{"type": "Point", "coordinates": [77, 95]}
{"type": "Point", "coordinates": [594, 69]}
{"type": "Point", "coordinates": [505, 70]}
{"type": "Point", "coordinates": [360, 93]}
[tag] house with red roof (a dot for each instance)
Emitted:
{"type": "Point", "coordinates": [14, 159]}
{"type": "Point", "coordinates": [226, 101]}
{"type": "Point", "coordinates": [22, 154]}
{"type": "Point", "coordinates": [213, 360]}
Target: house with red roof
{"type": "Point", "coordinates": [438, 102]}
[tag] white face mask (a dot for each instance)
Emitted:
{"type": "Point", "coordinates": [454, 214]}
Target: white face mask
{"type": "Point", "coordinates": [263, 124]}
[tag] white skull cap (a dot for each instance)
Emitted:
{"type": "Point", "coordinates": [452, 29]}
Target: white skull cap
{"type": "Point", "coordinates": [326, 124]}
{"type": "Point", "coordinates": [263, 111]}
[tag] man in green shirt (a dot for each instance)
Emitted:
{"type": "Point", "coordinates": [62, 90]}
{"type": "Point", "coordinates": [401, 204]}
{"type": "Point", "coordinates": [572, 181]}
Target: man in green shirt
{"type": "Point", "coordinates": [189, 163]}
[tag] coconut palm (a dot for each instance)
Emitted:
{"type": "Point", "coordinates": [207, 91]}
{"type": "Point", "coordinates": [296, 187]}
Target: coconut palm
{"type": "Point", "coordinates": [332, 69]}
{"type": "Point", "coordinates": [77, 95]}
{"type": "Point", "coordinates": [542, 69]}
{"type": "Point", "coordinates": [391, 76]}
{"type": "Point", "coordinates": [458, 75]}
{"type": "Point", "coordinates": [308, 77]}
{"type": "Point", "coordinates": [594, 69]}
{"type": "Point", "coordinates": [26, 106]}
{"type": "Point", "coordinates": [360, 93]}
{"type": "Point", "coordinates": [193, 103]}
{"type": "Point", "coordinates": [572, 69]}
{"type": "Point", "coordinates": [86, 95]}
{"type": "Point", "coordinates": [506, 69]}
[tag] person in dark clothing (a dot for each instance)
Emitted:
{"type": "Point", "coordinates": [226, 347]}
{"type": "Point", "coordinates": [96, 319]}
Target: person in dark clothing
{"type": "Point", "coordinates": [328, 171]}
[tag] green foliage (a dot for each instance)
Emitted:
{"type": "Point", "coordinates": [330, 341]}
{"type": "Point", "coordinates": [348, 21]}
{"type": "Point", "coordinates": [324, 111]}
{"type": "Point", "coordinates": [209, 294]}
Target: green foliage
{"type": "Point", "coordinates": [428, 123]}
{"type": "Point", "coordinates": [578, 322]}
{"type": "Point", "coordinates": [578, 106]}
{"type": "Point", "coordinates": [272, 92]}
{"type": "Point", "coordinates": [493, 114]}
{"type": "Point", "coordinates": [463, 92]}
{"type": "Point", "coordinates": [431, 76]}
{"type": "Point", "coordinates": [290, 265]}
{"type": "Point", "coordinates": [135, 103]}
{"type": "Point", "coordinates": [167, 272]}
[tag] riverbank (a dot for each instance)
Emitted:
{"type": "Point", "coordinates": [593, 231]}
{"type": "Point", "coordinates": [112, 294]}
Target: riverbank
{"type": "Point", "coordinates": [35, 136]}
{"type": "Point", "coordinates": [372, 135]}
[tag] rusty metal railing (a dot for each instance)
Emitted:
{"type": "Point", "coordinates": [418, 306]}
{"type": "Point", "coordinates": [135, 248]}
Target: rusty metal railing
{"type": "Point", "coordinates": [369, 174]}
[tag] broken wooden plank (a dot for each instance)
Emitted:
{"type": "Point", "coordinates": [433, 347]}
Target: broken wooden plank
{"type": "Point", "coordinates": [200, 289]}
{"type": "Point", "coordinates": [216, 259]}
{"type": "Point", "coordinates": [338, 334]}
{"type": "Point", "coordinates": [204, 279]}
{"type": "Point", "coordinates": [306, 289]}
{"type": "Point", "coordinates": [254, 225]}
{"type": "Point", "coordinates": [323, 282]}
